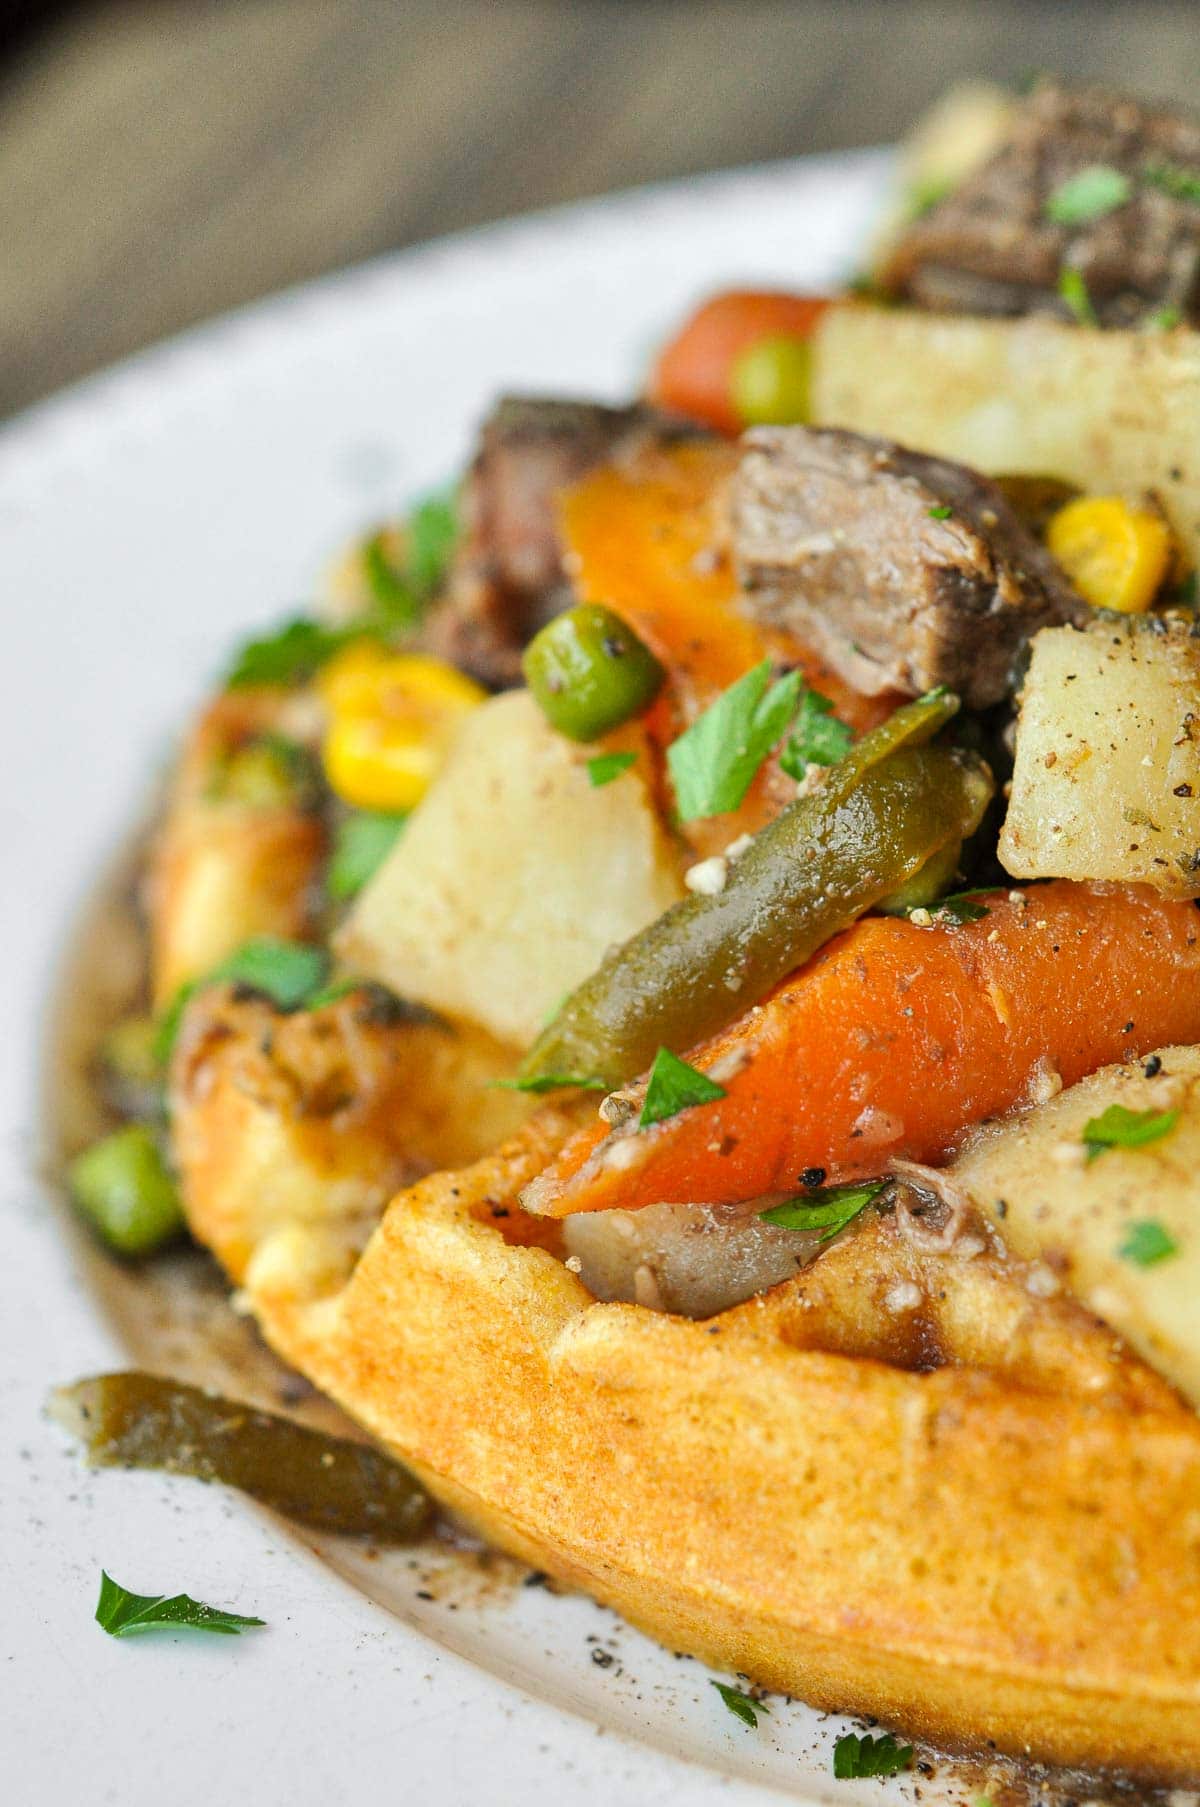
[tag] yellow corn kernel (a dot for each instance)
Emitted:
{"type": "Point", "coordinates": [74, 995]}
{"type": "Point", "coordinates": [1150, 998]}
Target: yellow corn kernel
{"type": "Point", "coordinates": [394, 717]}
{"type": "Point", "coordinates": [1117, 556]}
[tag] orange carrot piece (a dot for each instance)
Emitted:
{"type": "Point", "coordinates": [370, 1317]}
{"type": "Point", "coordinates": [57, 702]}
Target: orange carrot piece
{"type": "Point", "coordinates": [693, 371]}
{"type": "Point", "coordinates": [895, 1040]}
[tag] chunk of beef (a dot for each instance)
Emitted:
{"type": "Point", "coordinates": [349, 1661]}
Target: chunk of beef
{"type": "Point", "coordinates": [508, 578]}
{"type": "Point", "coordinates": [993, 247]}
{"type": "Point", "coordinates": [903, 571]}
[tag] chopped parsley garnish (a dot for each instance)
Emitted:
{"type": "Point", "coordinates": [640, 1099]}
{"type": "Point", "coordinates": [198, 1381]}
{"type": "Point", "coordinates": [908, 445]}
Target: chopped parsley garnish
{"type": "Point", "coordinates": [432, 532]}
{"type": "Point", "coordinates": [1074, 291]}
{"type": "Point", "coordinates": [818, 737]}
{"type": "Point", "coordinates": [829, 1208]}
{"type": "Point", "coordinates": [714, 762]}
{"type": "Point", "coordinates": [856, 1758]}
{"type": "Point", "coordinates": [607, 766]}
{"type": "Point", "coordinates": [961, 905]}
{"type": "Point", "coordinates": [1163, 320]}
{"type": "Point", "coordinates": [1182, 184]}
{"type": "Point", "coordinates": [1147, 1242]}
{"type": "Point", "coordinates": [1118, 1127]}
{"type": "Point", "coordinates": [292, 653]}
{"type": "Point", "coordinates": [290, 973]}
{"type": "Point", "coordinates": [119, 1612]}
{"type": "Point", "coordinates": [674, 1087]}
{"type": "Point", "coordinates": [334, 992]}
{"type": "Point", "coordinates": [361, 844]}
{"type": "Point", "coordinates": [391, 592]}
{"type": "Point", "coordinates": [942, 512]}
{"type": "Point", "coordinates": [1088, 195]}
{"type": "Point", "coordinates": [742, 1706]}
{"type": "Point", "coordinates": [552, 1082]}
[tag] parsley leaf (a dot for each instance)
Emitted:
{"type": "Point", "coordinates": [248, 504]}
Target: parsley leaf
{"type": "Point", "coordinates": [942, 512]}
{"type": "Point", "coordinates": [552, 1082]}
{"type": "Point", "coordinates": [119, 1612]}
{"type": "Point", "coordinates": [829, 1209]}
{"type": "Point", "coordinates": [674, 1087]}
{"type": "Point", "coordinates": [818, 738]}
{"type": "Point", "coordinates": [607, 766]}
{"type": "Point", "coordinates": [1088, 195]}
{"type": "Point", "coordinates": [856, 1758]}
{"type": "Point", "coordinates": [714, 762]}
{"type": "Point", "coordinates": [287, 972]}
{"type": "Point", "coordinates": [400, 591]}
{"type": "Point", "coordinates": [391, 592]}
{"type": "Point", "coordinates": [1074, 291]}
{"type": "Point", "coordinates": [1118, 1127]}
{"type": "Point", "coordinates": [291, 654]}
{"type": "Point", "coordinates": [361, 844]}
{"type": "Point", "coordinates": [742, 1706]}
{"type": "Point", "coordinates": [1182, 184]}
{"type": "Point", "coordinates": [961, 905]}
{"type": "Point", "coordinates": [432, 536]}
{"type": "Point", "coordinates": [1163, 320]}
{"type": "Point", "coordinates": [1147, 1243]}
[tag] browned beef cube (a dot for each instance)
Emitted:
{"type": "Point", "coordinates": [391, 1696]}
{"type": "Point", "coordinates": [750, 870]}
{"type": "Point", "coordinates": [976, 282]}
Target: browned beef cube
{"type": "Point", "coordinates": [508, 578]}
{"type": "Point", "coordinates": [903, 571]}
{"type": "Point", "coordinates": [994, 246]}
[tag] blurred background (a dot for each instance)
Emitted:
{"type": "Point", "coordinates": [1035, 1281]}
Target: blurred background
{"type": "Point", "coordinates": [161, 160]}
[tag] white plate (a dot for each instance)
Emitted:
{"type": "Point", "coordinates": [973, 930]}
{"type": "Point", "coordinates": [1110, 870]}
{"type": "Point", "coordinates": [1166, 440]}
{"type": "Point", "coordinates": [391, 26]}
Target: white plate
{"type": "Point", "coordinates": [148, 520]}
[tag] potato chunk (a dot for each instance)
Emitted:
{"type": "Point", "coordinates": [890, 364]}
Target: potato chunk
{"type": "Point", "coordinates": [1107, 777]}
{"type": "Point", "coordinates": [513, 878]}
{"type": "Point", "coordinates": [1031, 1176]}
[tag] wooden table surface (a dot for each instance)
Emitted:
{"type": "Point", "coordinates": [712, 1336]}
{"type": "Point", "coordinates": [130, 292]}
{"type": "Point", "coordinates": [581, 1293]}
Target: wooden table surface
{"type": "Point", "coordinates": [161, 162]}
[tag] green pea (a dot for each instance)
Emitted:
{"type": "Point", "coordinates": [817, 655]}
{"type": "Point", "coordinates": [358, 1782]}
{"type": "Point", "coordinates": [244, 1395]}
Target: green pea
{"type": "Point", "coordinates": [131, 1070]}
{"type": "Point", "coordinates": [589, 672]}
{"type": "Point", "coordinates": [770, 383]}
{"type": "Point", "coordinates": [124, 1189]}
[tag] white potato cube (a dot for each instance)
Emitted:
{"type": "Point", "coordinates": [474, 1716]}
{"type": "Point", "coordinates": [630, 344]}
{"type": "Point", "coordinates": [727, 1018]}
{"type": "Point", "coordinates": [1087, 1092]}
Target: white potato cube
{"type": "Point", "coordinates": [1031, 1176]}
{"type": "Point", "coordinates": [1106, 783]}
{"type": "Point", "coordinates": [513, 878]}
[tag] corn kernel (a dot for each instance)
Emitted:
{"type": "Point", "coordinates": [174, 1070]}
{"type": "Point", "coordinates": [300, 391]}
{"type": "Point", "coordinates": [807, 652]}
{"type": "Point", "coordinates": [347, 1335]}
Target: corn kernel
{"type": "Point", "coordinates": [394, 717]}
{"type": "Point", "coordinates": [1117, 556]}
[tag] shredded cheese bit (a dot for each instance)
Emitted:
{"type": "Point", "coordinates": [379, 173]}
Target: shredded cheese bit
{"type": "Point", "coordinates": [708, 876]}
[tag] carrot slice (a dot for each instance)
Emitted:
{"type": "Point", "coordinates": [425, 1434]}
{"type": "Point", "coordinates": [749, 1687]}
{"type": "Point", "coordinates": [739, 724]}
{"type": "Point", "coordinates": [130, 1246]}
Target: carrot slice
{"type": "Point", "coordinates": [693, 372]}
{"type": "Point", "coordinates": [897, 1039]}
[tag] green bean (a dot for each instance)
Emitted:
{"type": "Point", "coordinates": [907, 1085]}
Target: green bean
{"type": "Point", "coordinates": [136, 1420]}
{"type": "Point", "coordinates": [932, 881]}
{"type": "Point", "coordinates": [124, 1189]}
{"type": "Point", "coordinates": [589, 672]}
{"type": "Point", "coordinates": [821, 864]}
